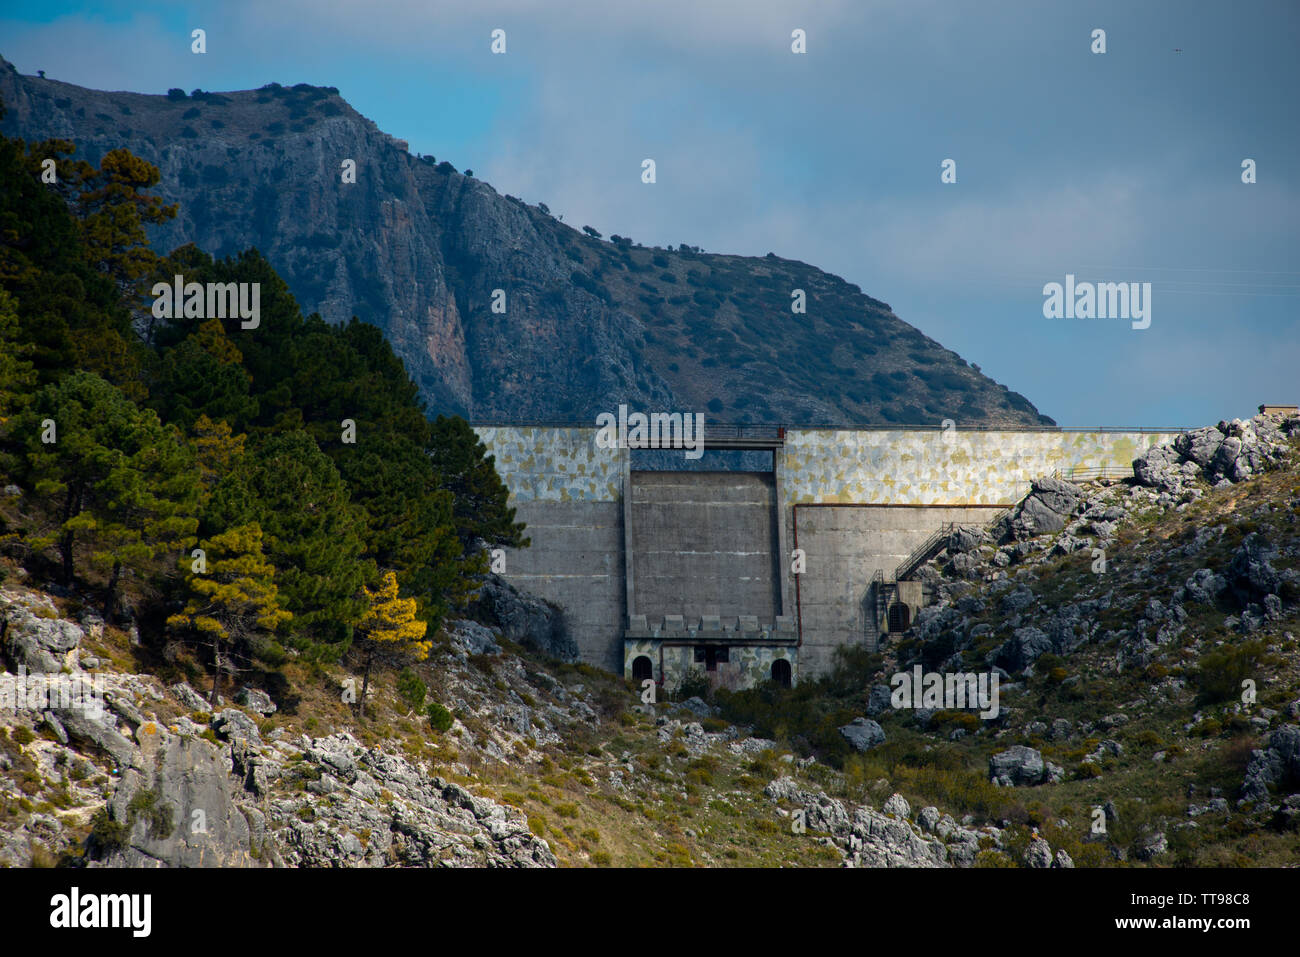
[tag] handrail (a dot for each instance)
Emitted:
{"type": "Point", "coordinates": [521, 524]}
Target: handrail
{"type": "Point", "coordinates": [926, 550]}
{"type": "Point", "coordinates": [841, 427]}
{"type": "Point", "coordinates": [881, 604]}
{"type": "Point", "coordinates": [1090, 473]}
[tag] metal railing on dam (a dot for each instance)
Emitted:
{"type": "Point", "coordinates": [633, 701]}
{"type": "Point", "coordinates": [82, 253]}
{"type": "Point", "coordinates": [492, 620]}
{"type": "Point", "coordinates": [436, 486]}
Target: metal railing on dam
{"type": "Point", "coordinates": [750, 430]}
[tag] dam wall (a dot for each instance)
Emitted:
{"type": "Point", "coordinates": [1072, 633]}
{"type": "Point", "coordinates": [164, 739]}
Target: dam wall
{"type": "Point", "coordinates": [668, 570]}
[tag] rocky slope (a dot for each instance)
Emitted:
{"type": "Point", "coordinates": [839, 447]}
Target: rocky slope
{"type": "Point", "coordinates": [1145, 635]}
{"type": "Point", "coordinates": [417, 248]}
{"type": "Point", "coordinates": [154, 779]}
{"type": "Point", "coordinates": [538, 768]}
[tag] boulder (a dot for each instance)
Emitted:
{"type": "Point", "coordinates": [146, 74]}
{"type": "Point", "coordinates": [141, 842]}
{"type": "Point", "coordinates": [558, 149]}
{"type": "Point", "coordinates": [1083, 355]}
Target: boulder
{"type": "Point", "coordinates": [189, 697]}
{"type": "Point", "coordinates": [699, 707]}
{"type": "Point", "coordinates": [1274, 765]}
{"type": "Point", "coordinates": [95, 728]}
{"type": "Point", "coordinates": [1056, 495]}
{"type": "Point", "coordinates": [1018, 766]}
{"type": "Point", "coordinates": [1151, 845]}
{"type": "Point", "coordinates": [1158, 468]}
{"type": "Point", "coordinates": [1017, 600]}
{"type": "Point", "coordinates": [1204, 586]}
{"type": "Point", "coordinates": [1250, 573]}
{"type": "Point", "coordinates": [1199, 445]}
{"type": "Point", "coordinates": [965, 538]}
{"type": "Point", "coordinates": [962, 566]}
{"type": "Point", "coordinates": [193, 819]}
{"type": "Point", "coordinates": [866, 837]}
{"type": "Point", "coordinates": [1023, 648]}
{"type": "Point", "coordinates": [897, 806]}
{"type": "Point", "coordinates": [1038, 853]}
{"type": "Point", "coordinates": [235, 725]}
{"type": "Point", "coordinates": [255, 700]}
{"type": "Point", "coordinates": [863, 733]}
{"type": "Point", "coordinates": [1037, 519]}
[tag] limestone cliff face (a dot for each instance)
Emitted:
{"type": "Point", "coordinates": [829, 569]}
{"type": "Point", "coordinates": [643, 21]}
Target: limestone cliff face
{"type": "Point", "coordinates": [417, 248]}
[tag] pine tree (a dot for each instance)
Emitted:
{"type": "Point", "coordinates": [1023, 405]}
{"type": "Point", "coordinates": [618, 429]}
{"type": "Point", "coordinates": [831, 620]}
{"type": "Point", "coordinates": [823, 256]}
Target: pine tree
{"type": "Point", "coordinates": [113, 210]}
{"type": "Point", "coordinates": [17, 374]}
{"type": "Point", "coordinates": [234, 604]}
{"type": "Point", "coordinates": [71, 315]}
{"type": "Point", "coordinates": [204, 376]}
{"type": "Point", "coordinates": [217, 451]}
{"type": "Point", "coordinates": [313, 535]}
{"type": "Point", "coordinates": [125, 485]}
{"type": "Point", "coordinates": [469, 473]}
{"type": "Point", "coordinates": [390, 632]}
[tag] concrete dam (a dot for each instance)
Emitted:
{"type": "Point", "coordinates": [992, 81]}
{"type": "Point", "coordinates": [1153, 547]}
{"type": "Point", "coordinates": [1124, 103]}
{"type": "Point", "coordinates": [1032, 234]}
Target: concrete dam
{"type": "Point", "coordinates": [760, 574]}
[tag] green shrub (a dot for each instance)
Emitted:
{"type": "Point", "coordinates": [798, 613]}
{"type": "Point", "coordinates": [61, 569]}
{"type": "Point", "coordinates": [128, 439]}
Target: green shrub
{"type": "Point", "coordinates": [158, 816]}
{"type": "Point", "coordinates": [22, 736]}
{"type": "Point", "coordinates": [1221, 670]}
{"type": "Point", "coordinates": [106, 834]}
{"type": "Point", "coordinates": [411, 689]}
{"type": "Point", "coordinates": [440, 718]}
{"type": "Point", "coordinates": [694, 684]}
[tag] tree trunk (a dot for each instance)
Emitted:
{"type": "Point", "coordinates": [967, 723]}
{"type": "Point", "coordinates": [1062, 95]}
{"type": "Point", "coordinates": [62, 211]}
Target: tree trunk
{"type": "Point", "coordinates": [110, 599]}
{"type": "Point", "coordinates": [216, 674]}
{"type": "Point", "coordinates": [365, 684]}
{"type": "Point", "coordinates": [71, 506]}
{"type": "Point", "coordinates": [65, 550]}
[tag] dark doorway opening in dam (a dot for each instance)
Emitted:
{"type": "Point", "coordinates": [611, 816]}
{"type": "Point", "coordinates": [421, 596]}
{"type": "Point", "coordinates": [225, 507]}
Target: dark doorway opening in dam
{"type": "Point", "coordinates": [781, 672]}
{"type": "Point", "coordinates": [642, 669]}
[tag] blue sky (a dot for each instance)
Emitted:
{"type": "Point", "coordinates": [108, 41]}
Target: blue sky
{"type": "Point", "coordinates": [1118, 167]}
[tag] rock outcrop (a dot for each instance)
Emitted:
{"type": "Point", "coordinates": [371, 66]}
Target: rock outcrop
{"type": "Point", "coordinates": [32, 635]}
{"type": "Point", "coordinates": [889, 837]}
{"type": "Point", "coordinates": [180, 793]}
{"type": "Point", "coordinates": [525, 619]}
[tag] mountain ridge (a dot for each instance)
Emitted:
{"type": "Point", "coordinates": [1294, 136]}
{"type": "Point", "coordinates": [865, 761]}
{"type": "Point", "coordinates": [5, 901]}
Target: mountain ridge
{"type": "Point", "coordinates": [419, 250]}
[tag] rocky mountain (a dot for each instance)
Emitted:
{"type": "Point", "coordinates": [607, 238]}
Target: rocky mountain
{"type": "Point", "coordinates": [419, 249]}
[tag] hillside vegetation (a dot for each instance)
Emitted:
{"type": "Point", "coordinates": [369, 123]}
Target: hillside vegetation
{"type": "Point", "coordinates": [231, 490]}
